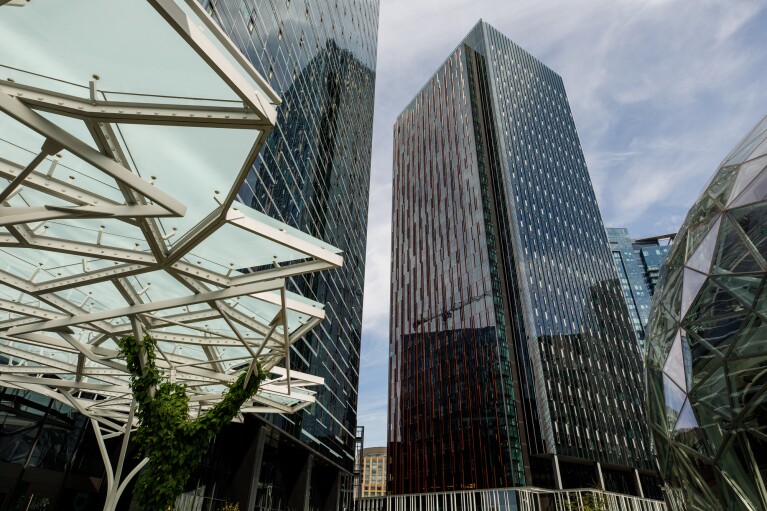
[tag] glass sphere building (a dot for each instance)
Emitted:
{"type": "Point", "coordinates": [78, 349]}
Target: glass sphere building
{"type": "Point", "coordinates": [707, 351]}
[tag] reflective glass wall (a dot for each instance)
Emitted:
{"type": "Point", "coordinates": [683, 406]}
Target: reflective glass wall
{"type": "Point", "coordinates": [48, 455]}
{"type": "Point", "coordinates": [510, 337]}
{"type": "Point", "coordinates": [314, 174]}
{"type": "Point", "coordinates": [452, 414]}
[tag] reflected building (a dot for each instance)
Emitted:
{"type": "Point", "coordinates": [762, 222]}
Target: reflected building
{"type": "Point", "coordinates": [512, 358]}
{"type": "Point", "coordinates": [707, 342]}
{"type": "Point", "coordinates": [638, 263]}
{"type": "Point", "coordinates": [313, 173]}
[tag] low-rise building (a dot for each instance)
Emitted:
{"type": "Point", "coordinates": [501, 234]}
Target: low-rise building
{"type": "Point", "coordinates": [374, 472]}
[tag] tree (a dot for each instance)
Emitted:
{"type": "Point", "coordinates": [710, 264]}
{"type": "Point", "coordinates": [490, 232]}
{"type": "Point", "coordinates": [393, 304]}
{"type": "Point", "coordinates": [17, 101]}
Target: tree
{"type": "Point", "coordinates": [174, 443]}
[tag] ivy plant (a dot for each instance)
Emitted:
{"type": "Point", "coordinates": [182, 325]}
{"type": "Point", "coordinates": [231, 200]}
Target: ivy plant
{"type": "Point", "coordinates": [588, 502]}
{"type": "Point", "coordinates": [174, 443]}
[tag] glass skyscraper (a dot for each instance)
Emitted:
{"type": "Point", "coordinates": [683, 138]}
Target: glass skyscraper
{"type": "Point", "coordinates": [512, 359]}
{"type": "Point", "coordinates": [314, 174]}
{"type": "Point", "coordinates": [638, 263]}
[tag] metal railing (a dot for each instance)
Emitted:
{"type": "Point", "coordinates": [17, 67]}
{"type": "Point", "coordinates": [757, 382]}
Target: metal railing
{"type": "Point", "coordinates": [512, 499]}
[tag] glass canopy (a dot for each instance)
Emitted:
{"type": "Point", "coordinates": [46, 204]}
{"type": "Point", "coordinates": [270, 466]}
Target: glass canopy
{"type": "Point", "coordinates": [122, 146]}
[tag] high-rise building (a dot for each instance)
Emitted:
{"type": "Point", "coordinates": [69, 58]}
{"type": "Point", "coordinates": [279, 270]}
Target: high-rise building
{"type": "Point", "coordinates": [512, 359]}
{"type": "Point", "coordinates": [638, 263]}
{"type": "Point", "coordinates": [313, 173]}
{"type": "Point", "coordinates": [652, 252]}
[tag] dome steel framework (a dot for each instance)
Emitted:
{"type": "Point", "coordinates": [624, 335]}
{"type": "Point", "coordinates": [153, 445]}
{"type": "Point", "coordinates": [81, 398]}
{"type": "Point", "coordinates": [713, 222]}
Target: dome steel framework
{"type": "Point", "coordinates": [707, 349]}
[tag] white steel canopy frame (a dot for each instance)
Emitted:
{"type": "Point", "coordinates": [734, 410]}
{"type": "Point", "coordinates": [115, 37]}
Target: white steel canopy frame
{"type": "Point", "coordinates": [122, 147]}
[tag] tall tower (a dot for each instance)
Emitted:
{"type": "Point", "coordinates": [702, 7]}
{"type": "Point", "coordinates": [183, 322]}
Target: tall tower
{"type": "Point", "coordinates": [313, 173]}
{"type": "Point", "coordinates": [638, 263]}
{"type": "Point", "coordinates": [512, 359]}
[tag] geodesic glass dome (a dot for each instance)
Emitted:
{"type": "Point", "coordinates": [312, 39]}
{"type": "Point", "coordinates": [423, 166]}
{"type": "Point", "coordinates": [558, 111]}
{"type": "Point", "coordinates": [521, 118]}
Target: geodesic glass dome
{"type": "Point", "coordinates": [707, 343]}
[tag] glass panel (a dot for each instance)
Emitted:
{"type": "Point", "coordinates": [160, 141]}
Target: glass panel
{"type": "Point", "coordinates": [678, 251]}
{"type": "Point", "coordinates": [95, 297]}
{"type": "Point", "coordinates": [18, 143]}
{"type": "Point", "coordinates": [720, 186]}
{"type": "Point", "coordinates": [671, 294]}
{"type": "Point", "coordinates": [706, 360]}
{"type": "Point", "coordinates": [45, 24]}
{"type": "Point", "coordinates": [687, 432]}
{"type": "Point", "coordinates": [712, 303]}
{"type": "Point", "coordinates": [700, 259]}
{"type": "Point", "coordinates": [656, 401]}
{"type": "Point", "coordinates": [719, 332]}
{"type": "Point", "coordinates": [24, 262]}
{"type": "Point", "coordinates": [76, 172]}
{"type": "Point", "coordinates": [691, 285]}
{"type": "Point", "coordinates": [746, 174]}
{"type": "Point", "coordinates": [17, 440]}
{"type": "Point", "coordinates": [115, 234]}
{"type": "Point", "coordinates": [271, 222]}
{"type": "Point", "coordinates": [674, 367]}
{"type": "Point", "coordinates": [746, 147]}
{"type": "Point", "coordinates": [659, 345]}
{"type": "Point", "coordinates": [699, 220]}
{"type": "Point", "coordinates": [737, 465]}
{"type": "Point", "coordinates": [733, 256]}
{"type": "Point", "coordinates": [753, 221]}
{"type": "Point", "coordinates": [686, 419]}
{"type": "Point", "coordinates": [674, 398]}
{"type": "Point", "coordinates": [193, 164]}
{"type": "Point", "coordinates": [158, 285]}
{"type": "Point", "coordinates": [713, 428]}
{"type": "Point", "coordinates": [748, 378]}
{"type": "Point", "coordinates": [226, 54]}
{"type": "Point", "coordinates": [755, 191]}
{"type": "Point", "coordinates": [240, 249]}
{"type": "Point", "coordinates": [754, 442]}
{"type": "Point", "coordinates": [742, 286]}
{"type": "Point", "coordinates": [759, 151]}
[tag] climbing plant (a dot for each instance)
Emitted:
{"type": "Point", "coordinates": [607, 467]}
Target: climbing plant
{"type": "Point", "coordinates": [174, 443]}
{"type": "Point", "coordinates": [588, 502]}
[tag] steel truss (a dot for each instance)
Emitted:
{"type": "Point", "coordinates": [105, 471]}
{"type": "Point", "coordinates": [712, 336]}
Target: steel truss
{"type": "Point", "coordinates": [81, 267]}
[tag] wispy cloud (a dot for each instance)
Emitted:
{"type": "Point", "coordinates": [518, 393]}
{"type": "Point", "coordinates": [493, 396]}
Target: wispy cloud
{"type": "Point", "coordinates": [660, 91]}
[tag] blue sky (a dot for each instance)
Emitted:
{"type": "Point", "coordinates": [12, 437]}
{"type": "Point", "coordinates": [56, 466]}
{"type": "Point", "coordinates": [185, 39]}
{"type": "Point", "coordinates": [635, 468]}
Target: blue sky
{"type": "Point", "coordinates": [660, 90]}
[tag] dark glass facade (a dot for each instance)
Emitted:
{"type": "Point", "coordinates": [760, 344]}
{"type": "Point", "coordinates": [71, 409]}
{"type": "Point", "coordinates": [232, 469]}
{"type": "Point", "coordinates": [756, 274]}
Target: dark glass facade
{"type": "Point", "coordinates": [638, 263]}
{"type": "Point", "coordinates": [314, 174]}
{"type": "Point", "coordinates": [48, 455]}
{"type": "Point", "coordinates": [511, 348]}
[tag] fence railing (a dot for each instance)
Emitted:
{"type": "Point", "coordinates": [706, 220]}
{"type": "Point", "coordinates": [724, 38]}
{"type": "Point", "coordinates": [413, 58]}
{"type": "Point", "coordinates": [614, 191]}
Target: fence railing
{"type": "Point", "coordinates": [512, 499]}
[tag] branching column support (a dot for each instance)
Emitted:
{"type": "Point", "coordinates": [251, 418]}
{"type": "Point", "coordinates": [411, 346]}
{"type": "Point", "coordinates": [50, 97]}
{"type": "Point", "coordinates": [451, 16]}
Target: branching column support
{"type": "Point", "coordinates": [115, 487]}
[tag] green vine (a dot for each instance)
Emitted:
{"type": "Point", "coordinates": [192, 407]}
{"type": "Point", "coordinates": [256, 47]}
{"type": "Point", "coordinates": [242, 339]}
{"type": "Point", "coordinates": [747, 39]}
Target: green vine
{"type": "Point", "coordinates": [173, 442]}
{"type": "Point", "coordinates": [588, 502]}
